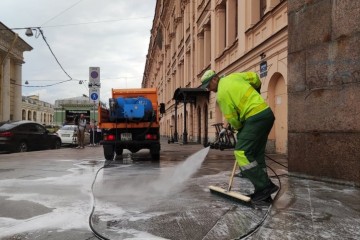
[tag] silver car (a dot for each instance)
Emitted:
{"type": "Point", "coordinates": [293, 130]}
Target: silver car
{"type": "Point", "coordinates": [68, 135]}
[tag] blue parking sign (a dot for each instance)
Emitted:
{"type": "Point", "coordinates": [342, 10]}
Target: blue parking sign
{"type": "Point", "coordinates": [94, 96]}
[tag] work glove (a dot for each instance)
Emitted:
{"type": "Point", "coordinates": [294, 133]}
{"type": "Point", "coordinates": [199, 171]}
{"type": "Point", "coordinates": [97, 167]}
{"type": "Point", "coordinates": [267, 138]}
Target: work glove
{"type": "Point", "coordinates": [222, 132]}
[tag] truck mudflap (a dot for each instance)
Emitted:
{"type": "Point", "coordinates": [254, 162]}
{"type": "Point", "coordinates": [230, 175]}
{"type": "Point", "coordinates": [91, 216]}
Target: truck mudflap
{"type": "Point", "coordinates": [112, 148]}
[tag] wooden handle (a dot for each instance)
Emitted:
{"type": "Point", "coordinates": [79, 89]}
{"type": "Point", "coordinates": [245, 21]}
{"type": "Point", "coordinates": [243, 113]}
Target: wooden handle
{"type": "Point", "coordinates": [232, 176]}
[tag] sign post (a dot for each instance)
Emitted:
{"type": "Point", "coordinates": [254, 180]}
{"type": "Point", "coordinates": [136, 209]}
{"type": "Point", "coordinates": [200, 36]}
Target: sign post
{"type": "Point", "coordinates": [94, 93]}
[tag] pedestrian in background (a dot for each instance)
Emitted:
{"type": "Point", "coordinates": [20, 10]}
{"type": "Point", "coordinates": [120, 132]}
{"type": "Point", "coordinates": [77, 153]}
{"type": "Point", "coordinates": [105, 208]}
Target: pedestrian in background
{"type": "Point", "coordinates": [239, 99]}
{"type": "Point", "coordinates": [98, 135]}
{"type": "Point", "coordinates": [92, 134]}
{"type": "Point", "coordinates": [81, 131]}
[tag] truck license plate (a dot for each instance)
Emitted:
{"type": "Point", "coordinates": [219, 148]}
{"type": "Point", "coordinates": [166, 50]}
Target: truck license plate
{"type": "Point", "coordinates": [126, 136]}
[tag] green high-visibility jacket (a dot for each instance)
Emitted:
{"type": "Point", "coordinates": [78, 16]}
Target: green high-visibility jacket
{"type": "Point", "coordinates": [238, 99]}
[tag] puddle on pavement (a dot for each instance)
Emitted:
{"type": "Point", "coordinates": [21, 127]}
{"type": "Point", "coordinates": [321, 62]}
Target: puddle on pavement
{"type": "Point", "coordinates": [21, 209]}
{"type": "Point", "coordinates": [92, 162]}
{"type": "Point", "coordinates": [6, 170]}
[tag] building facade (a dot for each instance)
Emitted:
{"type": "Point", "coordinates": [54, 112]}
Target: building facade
{"type": "Point", "coordinates": [12, 48]}
{"type": "Point", "coordinates": [189, 37]}
{"type": "Point", "coordinates": [33, 109]}
{"type": "Point", "coordinates": [66, 109]}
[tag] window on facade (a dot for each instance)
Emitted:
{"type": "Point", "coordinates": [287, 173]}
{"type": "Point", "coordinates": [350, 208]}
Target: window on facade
{"type": "Point", "coordinates": [201, 50]}
{"type": "Point", "coordinates": [207, 44]}
{"type": "Point", "coordinates": [262, 8]}
{"type": "Point", "coordinates": [232, 26]}
{"type": "Point", "coordinates": [181, 75]}
{"type": "Point", "coordinates": [222, 27]}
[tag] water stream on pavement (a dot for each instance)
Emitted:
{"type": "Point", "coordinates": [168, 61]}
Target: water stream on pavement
{"type": "Point", "coordinates": [173, 177]}
{"type": "Point", "coordinates": [156, 184]}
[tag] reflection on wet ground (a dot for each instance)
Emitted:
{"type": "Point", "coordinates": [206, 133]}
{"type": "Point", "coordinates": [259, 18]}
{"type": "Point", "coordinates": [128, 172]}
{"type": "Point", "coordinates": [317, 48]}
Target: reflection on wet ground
{"type": "Point", "coordinates": [136, 198]}
{"type": "Point", "coordinates": [303, 209]}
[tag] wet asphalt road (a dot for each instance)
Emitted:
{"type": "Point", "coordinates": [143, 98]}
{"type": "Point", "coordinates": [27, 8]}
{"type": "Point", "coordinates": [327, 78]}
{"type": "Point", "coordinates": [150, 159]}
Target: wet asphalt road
{"type": "Point", "coordinates": [50, 195]}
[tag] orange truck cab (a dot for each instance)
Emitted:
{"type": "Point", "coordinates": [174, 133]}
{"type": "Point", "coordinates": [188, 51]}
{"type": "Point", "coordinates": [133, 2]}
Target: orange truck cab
{"type": "Point", "coordinates": [131, 122]}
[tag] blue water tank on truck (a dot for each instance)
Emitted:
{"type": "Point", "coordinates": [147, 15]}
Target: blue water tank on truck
{"type": "Point", "coordinates": [131, 109]}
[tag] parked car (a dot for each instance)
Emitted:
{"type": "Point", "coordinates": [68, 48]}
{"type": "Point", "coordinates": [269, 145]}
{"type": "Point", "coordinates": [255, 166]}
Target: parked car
{"type": "Point", "coordinates": [23, 136]}
{"type": "Point", "coordinates": [68, 135]}
{"type": "Point", "coordinates": [52, 128]}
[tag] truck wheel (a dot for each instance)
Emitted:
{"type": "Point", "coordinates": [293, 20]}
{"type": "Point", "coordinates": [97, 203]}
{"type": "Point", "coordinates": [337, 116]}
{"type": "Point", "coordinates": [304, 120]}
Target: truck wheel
{"type": "Point", "coordinates": [155, 156]}
{"type": "Point", "coordinates": [109, 152]}
{"type": "Point", "coordinates": [119, 151]}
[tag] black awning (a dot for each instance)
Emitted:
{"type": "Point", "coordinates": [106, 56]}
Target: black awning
{"type": "Point", "coordinates": [189, 94]}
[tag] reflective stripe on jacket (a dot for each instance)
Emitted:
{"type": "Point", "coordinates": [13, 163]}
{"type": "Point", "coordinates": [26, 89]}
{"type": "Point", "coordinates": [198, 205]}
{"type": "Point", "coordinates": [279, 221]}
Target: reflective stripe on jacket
{"type": "Point", "coordinates": [237, 98]}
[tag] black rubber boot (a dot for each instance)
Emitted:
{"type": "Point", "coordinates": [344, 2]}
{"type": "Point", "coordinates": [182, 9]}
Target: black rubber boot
{"type": "Point", "coordinates": [265, 193]}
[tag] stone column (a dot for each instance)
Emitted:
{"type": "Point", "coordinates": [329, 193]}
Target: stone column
{"type": "Point", "coordinates": [185, 134]}
{"type": "Point", "coordinates": [17, 93]}
{"type": "Point", "coordinates": [175, 130]}
{"type": "Point", "coordinates": [5, 90]}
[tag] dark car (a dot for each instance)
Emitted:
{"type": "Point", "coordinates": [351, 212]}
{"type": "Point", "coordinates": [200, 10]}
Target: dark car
{"type": "Point", "coordinates": [23, 136]}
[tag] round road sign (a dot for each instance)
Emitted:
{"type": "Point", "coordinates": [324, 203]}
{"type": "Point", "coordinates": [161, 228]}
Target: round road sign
{"type": "Point", "coordinates": [94, 96]}
{"type": "Point", "coordinates": [94, 74]}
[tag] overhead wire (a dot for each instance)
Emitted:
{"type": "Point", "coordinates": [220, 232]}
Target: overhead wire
{"type": "Point", "coordinates": [61, 12]}
{"type": "Point", "coordinates": [42, 34]}
{"type": "Point", "coordinates": [46, 85]}
{"type": "Point", "coordinates": [103, 78]}
{"type": "Point", "coordinates": [95, 22]}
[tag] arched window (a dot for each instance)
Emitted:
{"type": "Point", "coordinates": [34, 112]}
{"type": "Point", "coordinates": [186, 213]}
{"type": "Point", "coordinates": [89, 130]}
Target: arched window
{"type": "Point", "coordinates": [23, 117]}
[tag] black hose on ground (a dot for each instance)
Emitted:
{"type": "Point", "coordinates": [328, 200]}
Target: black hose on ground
{"type": "Point", "coordinates": [97, 234]}
{"type": "Point", "coordinates": [259, 225]}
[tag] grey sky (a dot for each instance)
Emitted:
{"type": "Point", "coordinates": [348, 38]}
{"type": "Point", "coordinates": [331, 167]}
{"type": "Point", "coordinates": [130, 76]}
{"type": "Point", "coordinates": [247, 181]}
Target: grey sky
{"type": "Point", "coordinates": [117, 43]}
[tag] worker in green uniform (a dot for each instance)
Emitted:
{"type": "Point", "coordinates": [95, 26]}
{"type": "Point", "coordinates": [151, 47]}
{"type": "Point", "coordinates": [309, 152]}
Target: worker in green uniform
{"type": "Point", "coordinates": [239, 99]}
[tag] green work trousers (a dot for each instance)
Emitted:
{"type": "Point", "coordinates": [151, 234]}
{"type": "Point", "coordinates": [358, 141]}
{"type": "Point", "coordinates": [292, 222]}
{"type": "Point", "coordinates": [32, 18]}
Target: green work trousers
{"type": "Point", "coordinates": [250, 148]}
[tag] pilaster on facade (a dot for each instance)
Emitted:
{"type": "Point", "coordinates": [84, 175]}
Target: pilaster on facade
{"type": "Point", "coordinates": [17, 91]}
{"type": "Point", "coordinates": [5, 90]}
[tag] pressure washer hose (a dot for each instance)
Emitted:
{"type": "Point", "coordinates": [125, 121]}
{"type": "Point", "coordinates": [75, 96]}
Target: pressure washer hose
{"type": "Point", "coordinates": [248, 234]}
{"type": "Point", "coordinates": [97, 234]}
{"type": "Point", "coordinates": [257, 227]}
